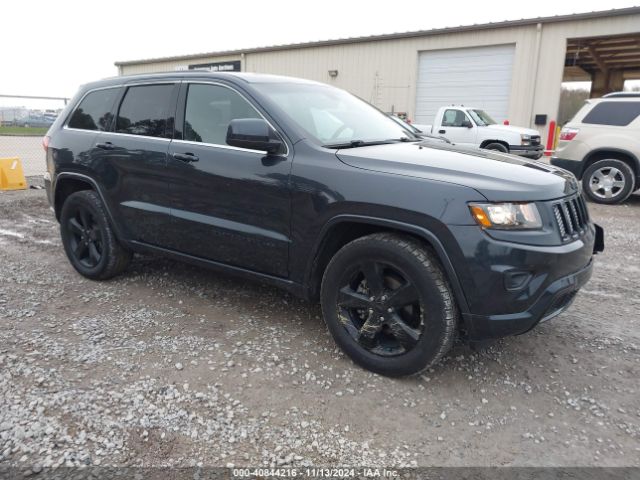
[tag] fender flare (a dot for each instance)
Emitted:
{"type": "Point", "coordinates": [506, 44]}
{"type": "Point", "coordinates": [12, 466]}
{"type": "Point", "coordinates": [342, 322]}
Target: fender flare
{"type": "Point", "coordinates": [501, 142]}
{"type": "Point", "coordinates": [421, 232]}
{"type": "Point", "coordinates": [94, 184]}
{"type": "Point", "coordinates": [627, 153]}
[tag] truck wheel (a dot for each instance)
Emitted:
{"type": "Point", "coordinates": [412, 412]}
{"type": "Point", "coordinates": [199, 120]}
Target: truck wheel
{"type": "Point", "coordinates": [388, 305]}
{"type": "Point", "coordinates": [89, 240]}
{"type": "Point", "coordinates": [608, 181]}
{"type": "Point", "coordinates": [496, 146]}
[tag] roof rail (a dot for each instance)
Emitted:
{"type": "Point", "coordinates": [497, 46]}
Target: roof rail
{"type": "Point", "coordinates": [622, 95]}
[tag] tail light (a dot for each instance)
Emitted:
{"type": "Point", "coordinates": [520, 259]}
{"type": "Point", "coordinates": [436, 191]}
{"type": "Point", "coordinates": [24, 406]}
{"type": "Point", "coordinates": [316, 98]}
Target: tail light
{"type": "Point", "coordinates": [45, 142]}
{"type": "Point", "coordinates": [567, 134]}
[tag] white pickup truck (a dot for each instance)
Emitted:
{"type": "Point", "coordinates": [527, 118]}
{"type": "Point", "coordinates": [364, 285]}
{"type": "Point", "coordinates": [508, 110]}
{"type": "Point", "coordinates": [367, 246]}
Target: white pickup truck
{"type": "Point", "coordinates": [474, 127]}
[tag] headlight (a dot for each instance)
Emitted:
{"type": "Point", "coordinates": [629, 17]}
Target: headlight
{"type": "Point", "coordinates": [525, 139]}
{"type": "Point", "coordinates": [506, 216]}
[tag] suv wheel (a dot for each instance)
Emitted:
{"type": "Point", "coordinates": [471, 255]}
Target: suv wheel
{"type": "Point", "coordinates": [608, 181]}
{"type": "Point", "coordinates": [388, 305]}
{"type": "Point", "coordinates": [88, 239]}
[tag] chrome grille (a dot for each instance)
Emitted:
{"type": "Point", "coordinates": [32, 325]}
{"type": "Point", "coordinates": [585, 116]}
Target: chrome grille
{"type": "Point", "coordinates": [571, 217]}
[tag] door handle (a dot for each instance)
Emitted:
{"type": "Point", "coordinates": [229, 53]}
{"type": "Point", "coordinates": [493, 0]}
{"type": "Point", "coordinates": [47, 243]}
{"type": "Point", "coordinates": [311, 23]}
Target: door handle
{"type": "Point", "coordinates": [186, 157]}
{"type": "Point", "coordinates": [105, 146]}
{"type": "Point", "coordinates": [442, 131]}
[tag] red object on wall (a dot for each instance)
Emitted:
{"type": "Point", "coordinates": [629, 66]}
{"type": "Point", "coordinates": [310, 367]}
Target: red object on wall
{"type": "Point", "coordinates": [551, 136]}
{"type": "Point", "coordinates": [506, 122]}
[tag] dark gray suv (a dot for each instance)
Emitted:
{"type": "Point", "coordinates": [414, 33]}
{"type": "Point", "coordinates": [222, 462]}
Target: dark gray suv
{"type": "Point", "coordinates": [406, 242]}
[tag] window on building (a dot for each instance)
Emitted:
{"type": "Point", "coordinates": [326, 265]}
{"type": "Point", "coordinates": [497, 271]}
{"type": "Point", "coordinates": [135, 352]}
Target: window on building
{"type": "Point", "coordinates": [210, 109]}
{"type": "Point", "coordinates": [144, 110]}
{"type": "Point", "coordinates": [94, 111]}
{"type": "Point", "coordinates": [619, 114]}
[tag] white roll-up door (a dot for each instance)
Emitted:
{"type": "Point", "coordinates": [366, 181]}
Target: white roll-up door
{"type": "Point", "coordinates": [478, 77]}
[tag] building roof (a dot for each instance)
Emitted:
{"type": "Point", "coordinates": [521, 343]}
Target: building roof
{"type": "Point", "coordinates": [392, 36]}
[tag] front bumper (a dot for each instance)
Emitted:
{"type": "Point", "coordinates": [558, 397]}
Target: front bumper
{"type": "Point", "coordinates": [509, 287]}
{"type": "Point", "coordinates": [557, 297]}
{"type": "Point", "coordinates": [529, 151]}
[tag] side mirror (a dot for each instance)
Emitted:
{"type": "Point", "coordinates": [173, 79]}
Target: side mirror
{"type": "Point", "coordinates": [253, 133]}
{"type": "Point", "coordinates": [467, 124]}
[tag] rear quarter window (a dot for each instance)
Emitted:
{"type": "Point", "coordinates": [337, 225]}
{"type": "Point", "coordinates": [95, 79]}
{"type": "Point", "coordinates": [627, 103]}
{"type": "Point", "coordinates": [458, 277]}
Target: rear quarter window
{"type": "Point", "coordinates": [94, 111]}
{"type": "Point", "coordinates": [619, 114]}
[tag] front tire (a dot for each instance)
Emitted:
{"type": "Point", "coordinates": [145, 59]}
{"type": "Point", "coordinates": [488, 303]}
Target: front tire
{"type": "Point", "coordinates": [608, 181]}
{"type": "Point", "coordinates": [388, 305]}
{"type": "Point", "coordinates": [88, 239]}
{"type": "Point", "coordinates": [498, 147]}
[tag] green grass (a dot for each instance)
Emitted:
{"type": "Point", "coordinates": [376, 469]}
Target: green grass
{"type": "Point", "coordinates": [23, 130]}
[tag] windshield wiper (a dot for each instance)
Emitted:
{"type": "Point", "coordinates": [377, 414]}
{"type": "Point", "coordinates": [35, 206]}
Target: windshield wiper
{"type": "Point", "coordinates": [436, 137]}
{"type": "Point", "coordinates": [362, 143]}
{"type": "Point", "coordinates": [358, 143]}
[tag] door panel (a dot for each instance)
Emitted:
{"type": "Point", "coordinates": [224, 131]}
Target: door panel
{"type": "Point", "coordinates": [232, 205]}
{"type": "Point", "coordinates": [134, 173]}
{"type": "Point", "coordinates": [133, 161]}
{"type": "Point", "coordinates": [452, 127]}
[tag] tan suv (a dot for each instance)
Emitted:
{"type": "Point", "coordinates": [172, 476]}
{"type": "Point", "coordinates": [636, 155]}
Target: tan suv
{"type": "Point", "coordinates": [601, 147]}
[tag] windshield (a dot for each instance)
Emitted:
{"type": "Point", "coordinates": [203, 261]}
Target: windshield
{"type": "Point", "coordinates": [482, 118]}
{"type": "Point", "coordinates": [331, 116]}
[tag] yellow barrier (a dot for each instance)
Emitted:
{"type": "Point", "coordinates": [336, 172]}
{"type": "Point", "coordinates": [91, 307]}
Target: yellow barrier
{"type": "Point", "coordinates": [11, 174]}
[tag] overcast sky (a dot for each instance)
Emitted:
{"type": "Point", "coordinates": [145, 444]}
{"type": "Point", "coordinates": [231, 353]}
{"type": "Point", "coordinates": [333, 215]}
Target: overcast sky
{"type": "Point", "coordinates": [51, 47]}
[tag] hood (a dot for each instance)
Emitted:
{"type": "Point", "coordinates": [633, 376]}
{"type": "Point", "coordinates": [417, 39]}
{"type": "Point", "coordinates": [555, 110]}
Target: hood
{"type": "Point", "coordinates": [497, 176]}
{"type": "Point", "coordinates": [513, 129]}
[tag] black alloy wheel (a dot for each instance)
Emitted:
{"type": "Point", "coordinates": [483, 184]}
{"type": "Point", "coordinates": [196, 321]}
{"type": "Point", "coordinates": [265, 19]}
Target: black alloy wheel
{"type": "Point", "coordinates": [388, 305]}
{"type": "Point", "coordinates": [85, 237]}
{"type": "Point", "coordinates": [89, 239]}
{"type": "Point", "coordinates": [380, 308]}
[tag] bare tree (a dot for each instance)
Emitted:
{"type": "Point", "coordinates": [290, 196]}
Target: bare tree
{"type": "Point", "coordinates": [570, 102]}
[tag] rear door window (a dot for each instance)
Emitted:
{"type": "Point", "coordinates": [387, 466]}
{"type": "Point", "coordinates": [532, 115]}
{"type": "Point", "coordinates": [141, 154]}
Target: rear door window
{"type": "Point", "coordinates": [94, 111]}
{"type": "Point", "coordinates": [619, 114]}
{"type": "Point", "coordinates": [144, 110]}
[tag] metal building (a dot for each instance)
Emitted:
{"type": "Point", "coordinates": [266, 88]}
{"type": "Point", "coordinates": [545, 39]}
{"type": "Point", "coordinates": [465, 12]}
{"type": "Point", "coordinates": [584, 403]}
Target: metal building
{"type": "Point", "coordinates": [512, 69]}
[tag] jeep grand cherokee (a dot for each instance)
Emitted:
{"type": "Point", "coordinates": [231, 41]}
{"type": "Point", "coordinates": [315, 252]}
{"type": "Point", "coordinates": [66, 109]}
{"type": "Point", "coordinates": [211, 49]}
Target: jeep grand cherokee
{"type": "Point", "coordinates": [406, 242]}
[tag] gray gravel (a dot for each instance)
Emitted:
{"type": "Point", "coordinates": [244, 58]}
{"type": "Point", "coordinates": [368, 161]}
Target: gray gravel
{"type": "Point", "coordinates": [171, 365]}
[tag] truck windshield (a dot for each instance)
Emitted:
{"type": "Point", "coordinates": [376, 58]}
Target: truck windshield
{"type": "Point", "coordinates": [482, 118]}
{"type": "Point", "coordinates": [333, 117]}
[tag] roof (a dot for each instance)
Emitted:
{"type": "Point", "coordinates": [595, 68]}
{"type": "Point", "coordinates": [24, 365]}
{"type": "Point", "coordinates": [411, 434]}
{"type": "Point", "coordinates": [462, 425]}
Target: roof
{"type": "Point", "coordinates": [243, 76]}
{"type": "Point", "coordinates": [622, 95]}
{"type": "Point", "coordinates": [393, 36]}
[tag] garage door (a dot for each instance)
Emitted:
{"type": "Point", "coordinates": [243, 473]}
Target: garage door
{"type": "Point", "coordinates": [478, 77]}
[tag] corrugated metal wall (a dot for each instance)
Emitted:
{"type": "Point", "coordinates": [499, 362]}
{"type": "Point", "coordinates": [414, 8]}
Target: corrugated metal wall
{"type": "Point", "coordinates": [172, 65]}
{"type": "Point", "coordinates": [385, 72]}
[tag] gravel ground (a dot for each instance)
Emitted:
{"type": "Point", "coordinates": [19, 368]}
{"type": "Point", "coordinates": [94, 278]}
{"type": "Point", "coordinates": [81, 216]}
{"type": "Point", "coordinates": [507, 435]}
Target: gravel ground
{"type": "Point", "coordinates": [171, 365]}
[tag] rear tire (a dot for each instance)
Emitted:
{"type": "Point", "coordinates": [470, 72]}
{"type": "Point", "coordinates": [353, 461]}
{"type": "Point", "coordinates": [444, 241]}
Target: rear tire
{"type": "Point", "coordinates": [608, 181]}
{"type": "Point", "coordinates": [388, 305]}
{"type": "Point", "coordinates": [497, 147]}
{"type": "Point", "coordinates": [88, 239]}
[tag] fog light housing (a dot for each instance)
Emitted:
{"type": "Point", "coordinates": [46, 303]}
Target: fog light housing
{"type": "Point", "coordinates": [516, 280]}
